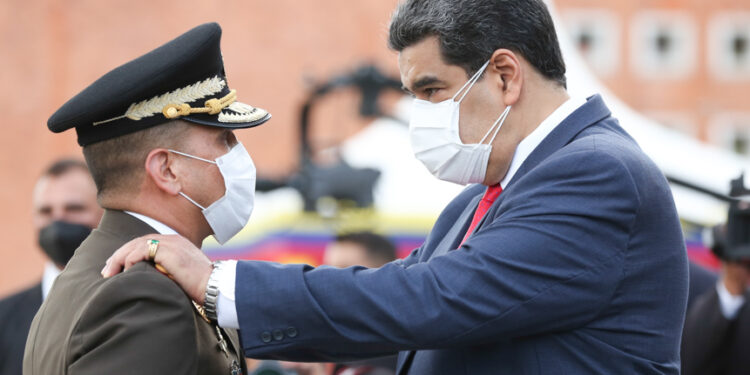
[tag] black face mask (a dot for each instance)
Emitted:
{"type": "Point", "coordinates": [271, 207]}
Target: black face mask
{"type": "Point", "coordinates": [61, 239]}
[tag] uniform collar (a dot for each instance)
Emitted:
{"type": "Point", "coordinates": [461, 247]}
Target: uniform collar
{"type": "Point", "coordinates": [153, 223]}
{"type": "Point", "coordinates": [48, 278]}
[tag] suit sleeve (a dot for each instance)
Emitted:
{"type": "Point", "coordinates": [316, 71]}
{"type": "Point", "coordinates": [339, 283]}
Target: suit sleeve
{"type": "Point", "coordinates": [137, 324]}
{"type": "Point", "coordinates": [552, 260]}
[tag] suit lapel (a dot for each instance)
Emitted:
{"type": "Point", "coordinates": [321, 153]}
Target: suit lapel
{"type": "Point", "coordinates": [456, 233]}
{"type": "Point", "coordinates": [593, 111]}
{"type": "Point", "coordinates": [450, 241]}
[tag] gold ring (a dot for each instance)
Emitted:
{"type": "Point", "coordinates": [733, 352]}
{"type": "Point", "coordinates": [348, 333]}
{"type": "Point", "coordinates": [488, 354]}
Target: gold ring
{"type": "Point", "coordinates": [153, 246]}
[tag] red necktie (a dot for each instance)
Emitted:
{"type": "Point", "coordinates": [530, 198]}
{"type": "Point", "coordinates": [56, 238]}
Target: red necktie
{"type": "Point", "coordinates": [484, 205]}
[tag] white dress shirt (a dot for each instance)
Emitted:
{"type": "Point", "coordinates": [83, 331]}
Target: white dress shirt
{"type": "Point", "coordinates": [153, 223]}
{"type": "Point", "coordinates": [226, 309]}
{"type": "Point", "coordinates": [48, 278]}
{"type": "Point", "coordinates": [730, 305]}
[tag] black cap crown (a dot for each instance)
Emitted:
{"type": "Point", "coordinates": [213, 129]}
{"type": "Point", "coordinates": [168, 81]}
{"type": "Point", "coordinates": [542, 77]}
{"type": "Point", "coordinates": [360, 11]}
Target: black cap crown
{"type": "Point", "coordinates": [183, 79]}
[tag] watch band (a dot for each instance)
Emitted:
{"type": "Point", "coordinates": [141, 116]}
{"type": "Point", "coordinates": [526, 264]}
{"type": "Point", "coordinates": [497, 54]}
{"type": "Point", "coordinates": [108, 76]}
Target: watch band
{"type": "Point", "coordinates": [211, 299]}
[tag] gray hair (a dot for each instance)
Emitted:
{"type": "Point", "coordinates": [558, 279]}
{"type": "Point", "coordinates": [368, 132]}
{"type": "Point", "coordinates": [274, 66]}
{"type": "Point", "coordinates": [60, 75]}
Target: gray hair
{"type": "Point", "coordinates": [469, 31]}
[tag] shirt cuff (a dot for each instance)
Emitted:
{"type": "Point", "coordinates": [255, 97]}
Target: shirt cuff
{"type": "Point", "coordinates": [226, 310]}
{"type": "Point", "coordinates": [730, 305]}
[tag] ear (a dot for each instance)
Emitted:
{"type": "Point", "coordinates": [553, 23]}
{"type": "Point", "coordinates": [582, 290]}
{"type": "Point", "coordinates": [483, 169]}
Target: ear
{"type": "Point", "coordinates": [160, 171]}
{"type": "Point", "coordinates": [509, 75]}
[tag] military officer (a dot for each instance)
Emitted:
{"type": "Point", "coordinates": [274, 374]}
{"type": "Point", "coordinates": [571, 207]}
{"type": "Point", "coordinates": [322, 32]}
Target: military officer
{"type": "Point", "coordinates": [157, 136]}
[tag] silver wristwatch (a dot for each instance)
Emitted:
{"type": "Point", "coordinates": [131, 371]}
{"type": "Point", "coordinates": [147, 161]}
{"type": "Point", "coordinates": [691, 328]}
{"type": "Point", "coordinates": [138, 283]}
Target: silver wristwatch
{"type": "Point", "coordinates": [211, 299]}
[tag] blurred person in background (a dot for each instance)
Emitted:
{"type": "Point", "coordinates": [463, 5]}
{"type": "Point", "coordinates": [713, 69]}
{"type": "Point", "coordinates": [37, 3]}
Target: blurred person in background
{"type": "Point", "coordinates": [64, 213]}
{"type": "Point", "coordinates": [701, 281]}
{"type": "Point", "coordinates": [716, 335]}
{"type": "Point", "coordinates": [365, 249]}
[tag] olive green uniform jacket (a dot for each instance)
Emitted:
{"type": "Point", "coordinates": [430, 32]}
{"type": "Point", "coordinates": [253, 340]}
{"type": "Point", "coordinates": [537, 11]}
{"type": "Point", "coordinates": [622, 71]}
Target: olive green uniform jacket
{"type": "Point", "coordinates": [138, 322]}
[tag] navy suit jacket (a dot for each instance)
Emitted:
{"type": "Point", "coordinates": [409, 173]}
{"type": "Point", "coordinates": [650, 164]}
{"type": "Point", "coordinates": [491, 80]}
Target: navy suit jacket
{"type": "Point", "coordinates": [16, 313]}
{"type": "Point", "coordinates": [578, 268]}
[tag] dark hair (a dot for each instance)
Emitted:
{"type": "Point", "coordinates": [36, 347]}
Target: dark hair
{"type": "Point", "coordinates": [469, 31]}
{"type": "Point", "coordinates": [379, 249]}
{"type": "Point", "coordinates": [117, 164]}
{"type": "Point", "coordinates": [62, 166]}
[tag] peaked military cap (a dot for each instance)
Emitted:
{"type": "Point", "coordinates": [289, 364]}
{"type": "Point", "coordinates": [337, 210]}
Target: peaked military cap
{"type": "Point", "coordinates": [183, 79]}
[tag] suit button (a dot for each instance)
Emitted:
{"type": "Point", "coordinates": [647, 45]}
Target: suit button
{"type": "Point", "coordinates": [291, 332]}
{"type": "Point", "coordinates": [265, 336]}
{"type": "Point", "coordinates": [278, 334]}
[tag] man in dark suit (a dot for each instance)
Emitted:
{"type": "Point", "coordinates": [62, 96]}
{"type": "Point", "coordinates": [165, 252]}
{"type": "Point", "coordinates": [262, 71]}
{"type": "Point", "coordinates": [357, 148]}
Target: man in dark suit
{"type": "Point", "coordinates": [64, 210]}
{"type": "Point", "coordinates": [717, 327]}
{"type": "Point", "coordinates": [564, 256]}
{"type": "Point", "coordinates": [156, 135]}
{"type": "Point", "coordinates": [701, 281]}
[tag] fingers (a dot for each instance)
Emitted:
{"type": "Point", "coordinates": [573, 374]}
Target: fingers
{"type": "Point", "coordinates": [133, 252]}
{"type": "Point", "coordinates": [175, 257]}
{"type": "Point", "coordinates": [115, 263]}
{"type": "Point", "coordinates": [134, 257]}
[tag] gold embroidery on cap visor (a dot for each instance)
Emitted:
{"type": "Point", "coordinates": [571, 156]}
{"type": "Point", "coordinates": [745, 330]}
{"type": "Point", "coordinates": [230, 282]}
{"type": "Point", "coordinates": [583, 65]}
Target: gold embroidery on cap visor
{"type": "Point", "coordinates": [173, 104]}
{"type": "Point", "coordinates": [187, 94]}
{"type": "Point", "coordinates": [212, 107]}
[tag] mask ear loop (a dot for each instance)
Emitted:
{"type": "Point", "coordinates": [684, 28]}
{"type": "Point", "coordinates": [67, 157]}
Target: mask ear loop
{"type": "Point", "coordinates": [197, 158]}
{"type": "Point", "coordinates": [192, 201]}
{"type": "Point", "coordinates": [191, 156]}
{"type": "Point", "coordinates": [470, 83]}
{"type": "Point", "coordinates": [499, 122]}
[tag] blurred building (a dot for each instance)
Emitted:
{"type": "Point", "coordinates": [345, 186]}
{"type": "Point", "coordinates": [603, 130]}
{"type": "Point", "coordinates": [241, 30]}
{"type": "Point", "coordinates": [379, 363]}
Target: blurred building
{"type": "Point", "coordinates": [684, 63]}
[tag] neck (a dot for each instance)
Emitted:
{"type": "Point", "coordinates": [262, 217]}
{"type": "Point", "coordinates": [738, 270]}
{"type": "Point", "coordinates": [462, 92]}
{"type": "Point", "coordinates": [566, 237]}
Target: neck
{"type": "Point", "coordinates": [536, 108]}
{"type": "Point", "coordinates": [525, 116]}
{"type": "Point", "coordinates": [186, 220]}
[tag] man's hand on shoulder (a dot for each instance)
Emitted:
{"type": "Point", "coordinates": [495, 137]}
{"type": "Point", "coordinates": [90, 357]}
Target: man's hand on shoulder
{"type": "Point", "coordinates": [177, 257]}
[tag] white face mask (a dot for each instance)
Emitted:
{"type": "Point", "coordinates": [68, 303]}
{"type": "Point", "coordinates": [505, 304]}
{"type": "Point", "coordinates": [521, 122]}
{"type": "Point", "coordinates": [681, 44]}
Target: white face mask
{"type": "Point", "coordinates": [436, 142]}
{"type": "Point", "coordinates": [230, 213]}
